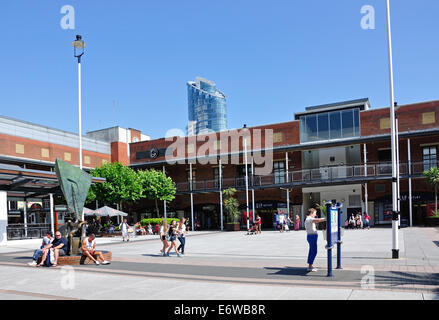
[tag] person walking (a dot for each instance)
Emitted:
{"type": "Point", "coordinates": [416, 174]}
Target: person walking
{"type": "Point", "coordinates": [297, 223]}
{"type": "Point", "coordinates": [181, 235]}
{"type": "Point", "coordinates": [312, 236]}
{"type": "Point", "coordinates": [172, 234]}
{"type": "Point", "coordinates": [163, 231]}
{"type": "Point", "coordinates": [124, 229]}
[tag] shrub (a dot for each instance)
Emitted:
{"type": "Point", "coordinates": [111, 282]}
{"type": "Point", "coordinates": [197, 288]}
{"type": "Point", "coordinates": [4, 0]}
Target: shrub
{"type": "Point", "coordinates": [154, 221]}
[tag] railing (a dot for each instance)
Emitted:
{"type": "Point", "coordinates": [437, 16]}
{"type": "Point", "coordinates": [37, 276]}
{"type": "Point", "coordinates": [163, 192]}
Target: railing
{"type": "Point", "coordinates": [18, 231]}
{"type": "Point", "coordinates": [319, 175]}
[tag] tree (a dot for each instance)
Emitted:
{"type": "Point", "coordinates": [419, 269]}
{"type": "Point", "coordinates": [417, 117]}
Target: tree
{"type": "Point", "coordinates": [231, 205]}
{"type": "Point", "coordinates": [432, 177]}
{"type": "Point", "coordinates": [156, 186]}
{"type": "Point", "coordinates": [122, 185]}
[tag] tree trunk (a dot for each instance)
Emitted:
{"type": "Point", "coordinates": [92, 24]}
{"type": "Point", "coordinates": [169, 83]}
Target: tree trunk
{"type": "Point", "coordinates": [157, 208]}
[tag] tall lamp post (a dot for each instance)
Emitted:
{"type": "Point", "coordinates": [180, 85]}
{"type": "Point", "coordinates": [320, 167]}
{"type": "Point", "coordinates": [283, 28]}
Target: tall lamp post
{"type": "Point", "coordinates": [78, 52]}
{"type": "Point", "coordinates": [395, 244]}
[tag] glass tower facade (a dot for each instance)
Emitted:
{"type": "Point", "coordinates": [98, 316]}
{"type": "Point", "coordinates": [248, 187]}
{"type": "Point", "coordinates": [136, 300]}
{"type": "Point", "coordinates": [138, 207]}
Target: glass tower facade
{"type": "Point", "coordinates": [206, 107]}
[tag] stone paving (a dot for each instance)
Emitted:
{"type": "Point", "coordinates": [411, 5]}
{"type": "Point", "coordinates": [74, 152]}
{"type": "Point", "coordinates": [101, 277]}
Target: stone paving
{"type": "Point", "coordinates": [233, 265]}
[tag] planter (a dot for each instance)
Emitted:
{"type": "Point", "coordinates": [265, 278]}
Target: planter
{"type": "Point", "coordinates": [233, 227]}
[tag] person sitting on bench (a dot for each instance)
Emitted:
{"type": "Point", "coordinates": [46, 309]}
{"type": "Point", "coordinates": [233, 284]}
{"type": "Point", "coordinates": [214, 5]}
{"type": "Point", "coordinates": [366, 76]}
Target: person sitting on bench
{"type": "Point", "coordinates": [88, 249]}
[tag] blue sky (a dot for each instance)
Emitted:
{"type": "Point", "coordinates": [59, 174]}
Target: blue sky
{"type": "Point", "coordinates": [271, 58]}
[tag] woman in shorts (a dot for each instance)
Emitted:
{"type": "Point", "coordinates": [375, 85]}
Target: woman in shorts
{"type": "Point", "coordinates": [163, 231]}
{"type": "Point", "coordinates": [172, 234]}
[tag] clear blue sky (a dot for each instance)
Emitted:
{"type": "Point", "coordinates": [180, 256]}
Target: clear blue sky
{"type": "Point", "coordinates": [271, 58]}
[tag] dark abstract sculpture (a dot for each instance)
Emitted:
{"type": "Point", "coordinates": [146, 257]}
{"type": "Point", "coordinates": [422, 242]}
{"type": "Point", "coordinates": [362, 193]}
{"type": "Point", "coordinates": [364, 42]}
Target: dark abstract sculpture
{"type": "Point", "coordinates": [75, 184]}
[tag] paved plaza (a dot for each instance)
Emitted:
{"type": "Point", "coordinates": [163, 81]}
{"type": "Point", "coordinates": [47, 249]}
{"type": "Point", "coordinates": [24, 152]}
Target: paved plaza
{"type": "Point", "coordinates": [233, 265]}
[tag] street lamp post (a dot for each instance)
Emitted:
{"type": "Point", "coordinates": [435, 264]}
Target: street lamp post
{"type": "Point", "coordinates": [78, 52]}
{"type": "Point", "coordinates": [395, 244]}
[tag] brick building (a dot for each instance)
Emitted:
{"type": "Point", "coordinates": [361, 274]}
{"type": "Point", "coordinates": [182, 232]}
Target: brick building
{"type": "Point", "coordinates": [30, 150]}
{"type": "Point", "coordinates": [337, 151]}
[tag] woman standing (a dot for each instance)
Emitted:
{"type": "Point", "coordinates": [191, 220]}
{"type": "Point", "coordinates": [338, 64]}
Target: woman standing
{"type": "Point", "coordinates": [163, 231]}
{"type": "Point", "coordinates": [297, 223]}
{"type": "Point", "coordinates": [312, 236]}
{"type": "Point", "coordinates": [258, 223]}
{"type": "Point", "coordinates": [366, 220]}
{"type": "Point", "coordinates": [181, 235]}
{"type": "Point", "coordinates": [172, 233]}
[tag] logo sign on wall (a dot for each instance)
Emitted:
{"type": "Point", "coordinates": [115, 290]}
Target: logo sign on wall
{"type": "Point", "coordinates": [154, 153]}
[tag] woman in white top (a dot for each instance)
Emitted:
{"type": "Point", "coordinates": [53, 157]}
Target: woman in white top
{"type": "Point", "coordinates": [181, 235]}
{"type": "Point", "coordinates": [163, 231]}
{"type": "Point", "coordinates": [312, 236]}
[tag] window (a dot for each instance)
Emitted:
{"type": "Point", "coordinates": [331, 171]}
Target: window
{"type": "Point", "coordinates": [279, 171]}
{"type": "Point", "coordinates": [429, 157]}
{"type": "Point", "coordinates": [330, 125]}
{"type": "Point", "coordinates": [216, 176]}
{"type": "Point", "coordinates": [188, 175]}
{"type": "Point", "coordinates": [355, 200]}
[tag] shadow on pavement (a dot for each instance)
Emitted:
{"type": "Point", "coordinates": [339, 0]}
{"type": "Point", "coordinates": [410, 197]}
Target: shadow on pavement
{"type": "Point", "coordinates": [294, 271]}
{"type": "Point", "coordinates": [397, 278]}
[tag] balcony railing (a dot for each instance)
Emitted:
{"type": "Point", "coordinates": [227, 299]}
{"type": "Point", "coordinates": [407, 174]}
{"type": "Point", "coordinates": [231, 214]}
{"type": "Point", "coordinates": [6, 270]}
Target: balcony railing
{"type": "Point", "coordinates": [319, 175]}
{"type": "Point", "coordinates": [18, 231]}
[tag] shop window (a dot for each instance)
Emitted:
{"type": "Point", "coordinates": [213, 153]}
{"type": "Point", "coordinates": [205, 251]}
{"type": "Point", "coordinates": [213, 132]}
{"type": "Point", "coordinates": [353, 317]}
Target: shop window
{"type": "Point", "coordinates": [429, 157]}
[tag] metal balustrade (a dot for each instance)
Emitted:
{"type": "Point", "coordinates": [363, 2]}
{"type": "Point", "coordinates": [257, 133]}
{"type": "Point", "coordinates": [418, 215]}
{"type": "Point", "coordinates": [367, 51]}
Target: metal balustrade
{"type": "Point", "coordinates": [18, 231]}
{"type": "Point", "coordinates": [322, 175]}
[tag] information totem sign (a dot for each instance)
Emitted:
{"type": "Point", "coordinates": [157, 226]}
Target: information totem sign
{"type": "Point", "coordinates": [333, 233]}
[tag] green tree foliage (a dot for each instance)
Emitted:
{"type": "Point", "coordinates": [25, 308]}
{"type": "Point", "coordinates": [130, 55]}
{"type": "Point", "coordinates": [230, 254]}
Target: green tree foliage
{"type": "Point", "coordinates": [122, 185]}
{"type": "Point", "coordinates": [156, 186]}
{"type": "Point", "coordinates": [231, 205]}
{"type": "Point", "coordinates": [432, 177]}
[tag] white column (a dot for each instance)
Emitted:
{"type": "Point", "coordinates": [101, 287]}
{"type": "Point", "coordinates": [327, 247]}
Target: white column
{"type": "Point", "coordinates": [246, 182]}
{"type": "Point", "coordinates": [253, 191]}
{"type": "Point", "coordinates": [220, 171]}
{"type": "Point", "coordinates": [3, 217]}
{"type": "Point", "coordinates": [395, 243]}
{"type": "Point", "coordinates": [25, 217]}
{"type": "Point", "coordinates": [398, 183]}
{"type": "Point", "coordinates": [410, 183]}
{"type": "Point", "coordinates": [52, 214]}
{"type": "Point", "coordinates": [288, 189]}
{"type": "Point", "coordinates": [366, 196]}
{"type": "Point", "coordinates": [192, 197]}
{"type": "Point", "coordinates": [164, 201]}
{"type": "Point", "coordinates": [80, 118]}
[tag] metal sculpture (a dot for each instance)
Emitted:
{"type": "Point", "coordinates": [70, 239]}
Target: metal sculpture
{"type": "Point", "coordinates": [75, 184]}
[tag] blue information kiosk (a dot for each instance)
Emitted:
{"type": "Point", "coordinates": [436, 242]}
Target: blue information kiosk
{"type": "Point", "coordinates": [333, 233]}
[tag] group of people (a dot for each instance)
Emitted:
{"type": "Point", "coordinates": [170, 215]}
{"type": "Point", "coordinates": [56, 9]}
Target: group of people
{"type": "Point", "coordinates": [357, 221]}
{"type": "Point", "coordinates": [54, 247]}
{"type": "Point", "coordinates": [284, 224]}
{"type": "Point", "coordinates": [169, 235]}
